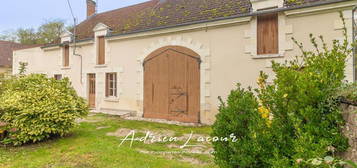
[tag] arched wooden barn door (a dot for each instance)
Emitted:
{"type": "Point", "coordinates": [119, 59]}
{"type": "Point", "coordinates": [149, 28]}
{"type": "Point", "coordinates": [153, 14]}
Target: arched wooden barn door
{"type": "Point", "coordinates": [172, 84]}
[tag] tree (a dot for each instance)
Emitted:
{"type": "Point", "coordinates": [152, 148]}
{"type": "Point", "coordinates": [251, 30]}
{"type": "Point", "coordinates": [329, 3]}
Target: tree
{"type": "Point", "coordinates": [48, 32]}
{"type": "Point", "coordinates": [26, 36]}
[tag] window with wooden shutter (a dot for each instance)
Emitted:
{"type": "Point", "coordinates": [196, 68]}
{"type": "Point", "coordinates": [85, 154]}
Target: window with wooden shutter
{"type": "Point", "coordinates": [101, 50]}
{"type": "Point", "coordinates": [267, 34]}
{"type": "Point", "coordinates": [66, 56]}
{"type": "Point", "coordinates": [111, 85]}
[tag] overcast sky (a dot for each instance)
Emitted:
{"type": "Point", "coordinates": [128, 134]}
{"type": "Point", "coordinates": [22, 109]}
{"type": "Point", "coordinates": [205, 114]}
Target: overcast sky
{"type": "Point", "coordinates": [31, 13]}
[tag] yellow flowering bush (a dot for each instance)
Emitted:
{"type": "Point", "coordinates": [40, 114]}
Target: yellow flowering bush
{"type": "Point", "coordinates": [240, 116]}
{"type": "Point", "coordinates": [291, 120]}
{"type": "Point", "coordinates": [36, 107]}
{"type": "Point", "coordinates": [264, 112]}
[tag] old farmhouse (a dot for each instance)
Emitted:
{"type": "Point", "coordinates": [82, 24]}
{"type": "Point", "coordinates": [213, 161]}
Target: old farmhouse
{"type": "Point", "coordinates": [171, 59]}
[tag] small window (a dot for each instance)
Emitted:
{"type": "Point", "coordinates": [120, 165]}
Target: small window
{"type": "Point", "coordinates": [66, 56]}
{"type": "Point", "coordinates": [267, 34]}
{"type": "Point", "coordinates": [101, 50]}
{"type": "Point", "coordinates": [58, 76]}
{"type": "Point", "coordinates": [111, 85]}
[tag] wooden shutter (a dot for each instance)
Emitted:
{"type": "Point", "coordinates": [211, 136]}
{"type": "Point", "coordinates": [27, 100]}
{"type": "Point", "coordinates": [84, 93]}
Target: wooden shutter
{"type": "Point", "coordinates": [267, 34]}
{"type": "Point", "coordinates": [101, 50]}
{"type": "Point", "coordinates": [66, 56]}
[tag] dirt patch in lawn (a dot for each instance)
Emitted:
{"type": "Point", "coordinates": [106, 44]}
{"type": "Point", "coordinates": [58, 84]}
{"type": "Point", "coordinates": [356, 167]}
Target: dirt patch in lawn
{"type": "Point", "coordinates": [192, 161]}
{"type": "Point", "coordinates": [91, 114]}
{"type": "Point", "coordinates": [161, 133]}
{"type": "Point", "coordinates": [102, 127]}
{"type": "Point", "coordinates": [157, 133]}
{"type": "Point", "coordinates": [122, 132]}
{"type": "Point", "coordinates": [194, 149]}
{"type": "Point", "coordinates": [88, 120]}
{"type": "Point", "coordinates": [194, 137]}
{"type": "Point", "coordinates": [66, 160]}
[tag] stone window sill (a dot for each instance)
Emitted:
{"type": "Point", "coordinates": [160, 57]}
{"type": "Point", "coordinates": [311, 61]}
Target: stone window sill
{"type": "Point", "coordinates": [111, 99]}
{"type": "Point", "coordinates": [65, 68]}
{"type": "Point", "coordinates": [101, 66]}
{"type": "Point", "coordinates": [265, 56]}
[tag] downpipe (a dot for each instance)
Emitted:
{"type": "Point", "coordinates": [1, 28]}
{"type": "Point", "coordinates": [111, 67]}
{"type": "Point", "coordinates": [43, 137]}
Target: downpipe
{"type": "Point", "coordinates": [75, 53]}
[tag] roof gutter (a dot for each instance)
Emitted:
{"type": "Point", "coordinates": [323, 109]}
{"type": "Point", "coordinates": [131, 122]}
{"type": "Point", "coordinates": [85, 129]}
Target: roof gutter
{"type": "Point", "coordinates": [62, 44]}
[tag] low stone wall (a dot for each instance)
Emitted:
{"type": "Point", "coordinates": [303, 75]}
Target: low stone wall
{"type": "Point", "coordinates": [350, 130]}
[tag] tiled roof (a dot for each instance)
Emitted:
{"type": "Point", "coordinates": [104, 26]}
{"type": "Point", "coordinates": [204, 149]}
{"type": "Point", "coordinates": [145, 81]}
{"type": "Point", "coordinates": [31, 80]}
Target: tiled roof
{"type": "Point", "coordinates": [6, 49]}
{"type": "Point", "coordinates": [162, 13]}
{"type": "Point", "coordinates": [155, 14]}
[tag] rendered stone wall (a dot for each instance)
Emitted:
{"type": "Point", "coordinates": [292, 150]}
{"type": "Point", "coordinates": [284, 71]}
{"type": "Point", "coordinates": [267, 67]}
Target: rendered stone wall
{"type": "Point", "coordinates": [350, 130]}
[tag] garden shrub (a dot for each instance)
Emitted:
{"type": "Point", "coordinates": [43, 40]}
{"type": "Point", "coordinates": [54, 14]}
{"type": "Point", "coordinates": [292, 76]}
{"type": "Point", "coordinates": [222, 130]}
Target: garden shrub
{"type": "Point", "coordinates": [240, 116]}
{"type": "Point", "coordinates": [36, 107]}
{"type": "Point", "coordinates": [2, 82]}
{"type": "Point", "coordinates": [303, 119]}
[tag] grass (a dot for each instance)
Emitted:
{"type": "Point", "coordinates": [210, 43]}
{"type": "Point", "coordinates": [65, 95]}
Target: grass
{"type": "Point", "coordinates": [89, 147]}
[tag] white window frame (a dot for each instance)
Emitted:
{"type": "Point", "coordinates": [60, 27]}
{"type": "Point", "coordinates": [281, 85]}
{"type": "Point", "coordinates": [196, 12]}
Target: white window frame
{"type": "Point", "coordinates": [112, 81]}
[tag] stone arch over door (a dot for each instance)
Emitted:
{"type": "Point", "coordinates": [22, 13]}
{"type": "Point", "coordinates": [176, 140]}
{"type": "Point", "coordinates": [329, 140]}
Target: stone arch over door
{"type": "Point", "coordinates": [202, 50]}
{"type": "Point", "coordinates": [172, 84]}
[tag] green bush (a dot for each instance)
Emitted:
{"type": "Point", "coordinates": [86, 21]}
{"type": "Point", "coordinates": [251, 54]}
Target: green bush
{"type": "Point", "coordinates": [302, 116]}
{"type": "Point", "coordinates": [2, 82]}
{"type": "Point", "coordinates": [36, 107]}
{"type": "Point", "coordinates": [240, 116]}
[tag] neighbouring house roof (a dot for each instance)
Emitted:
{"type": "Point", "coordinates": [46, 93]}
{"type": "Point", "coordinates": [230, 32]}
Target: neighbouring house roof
{"type": "Point", "coordinates": [6, 50]}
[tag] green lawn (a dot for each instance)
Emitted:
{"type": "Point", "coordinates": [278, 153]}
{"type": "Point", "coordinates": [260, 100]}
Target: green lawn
{"type": "Point", "coordinates": [89, 147]}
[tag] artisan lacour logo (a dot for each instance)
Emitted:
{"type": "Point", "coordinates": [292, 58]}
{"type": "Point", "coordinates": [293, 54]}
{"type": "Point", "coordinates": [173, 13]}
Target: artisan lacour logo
{"type": "Point", "coordinates": [190, 141]}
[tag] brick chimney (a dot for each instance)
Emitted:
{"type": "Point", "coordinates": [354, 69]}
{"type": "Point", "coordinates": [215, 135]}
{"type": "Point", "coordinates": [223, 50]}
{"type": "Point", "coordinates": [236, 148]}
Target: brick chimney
{"type": "Point", "coordinates": [91, 8]}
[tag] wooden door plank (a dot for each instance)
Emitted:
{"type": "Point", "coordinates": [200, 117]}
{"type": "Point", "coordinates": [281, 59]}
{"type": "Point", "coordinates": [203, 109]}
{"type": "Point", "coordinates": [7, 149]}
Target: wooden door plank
{"type": "Point", "coordinates": [178, 85]}
{"type": "Point", "coordinates": [168, 72]}
{"type": "Point", "coordinates": [267, 34]}
{"type": "Point", "coordinates": [101, 50]}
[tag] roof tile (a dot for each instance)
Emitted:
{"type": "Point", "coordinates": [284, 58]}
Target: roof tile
{"type": "Point", "coordinates": [156, 13]}
{"type": "Point", "coordinates": [164, 13]}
